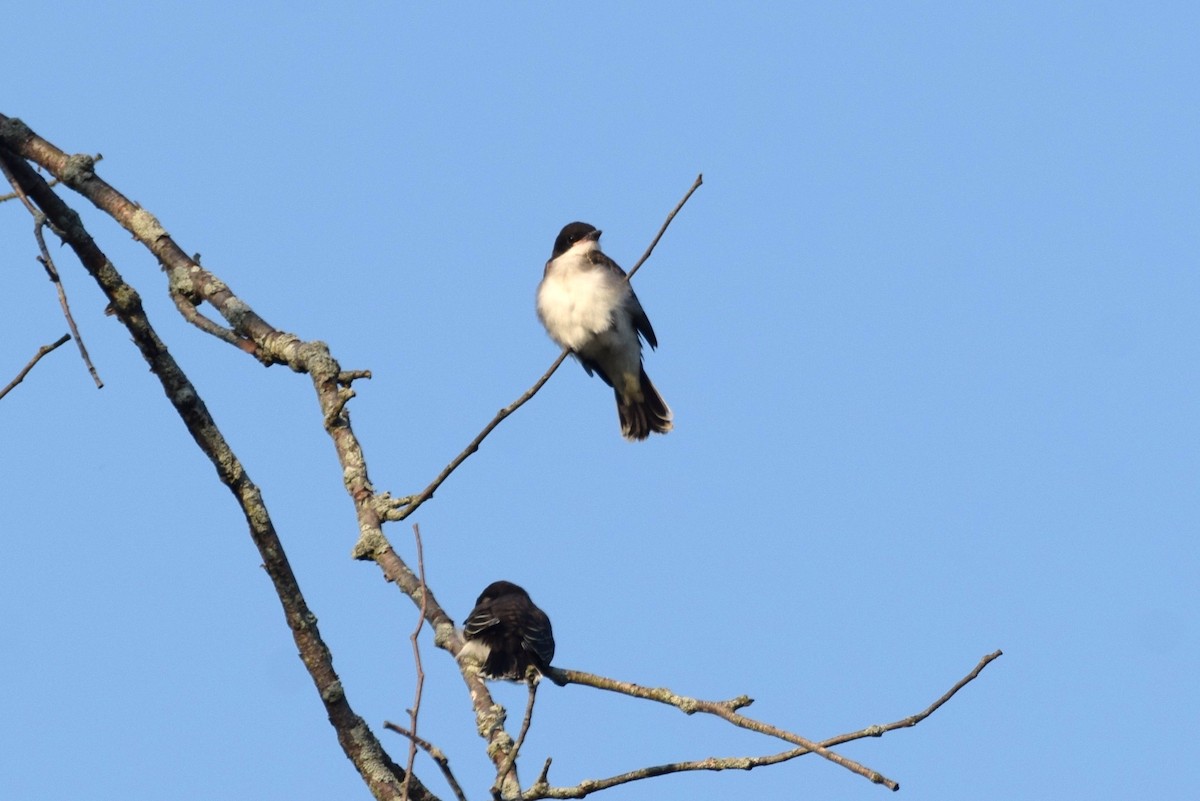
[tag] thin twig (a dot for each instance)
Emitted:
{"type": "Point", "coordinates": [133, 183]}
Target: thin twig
{"type": "Point", "coordinates": [427, 493]}
{"type": "Point", "coordinates": [511, 759]}
{"type": "Point", "coordinates": [436, 754]}
{"type": "Point", "coordinates": [416, 647]}
{"type": "Point", "coordinates": [913, 720]}
{"type": "Point", "coordinates": [411, 503]}
{"type": "Point", "coordinates": [542, 789]}
{"type": "Point", "coordinates": [39, 220]}
{"type": "Point", "coordinates": [52, 271]}
{"type": "Point", "coordinates": [695, 185]}
{"type": "Point", "coordinates": [42, 351]}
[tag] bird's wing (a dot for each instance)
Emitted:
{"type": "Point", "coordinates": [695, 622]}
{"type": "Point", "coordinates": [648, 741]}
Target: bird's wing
{"type": "Point", "coordinates": [479, 621]}
{"type": "Point", "coordinates": [640, 321]}
{"type": "Point", "coordinates": [537, 636]}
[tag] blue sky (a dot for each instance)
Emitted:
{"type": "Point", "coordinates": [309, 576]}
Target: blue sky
{"type": "Point", "coordinates": [928, 329]}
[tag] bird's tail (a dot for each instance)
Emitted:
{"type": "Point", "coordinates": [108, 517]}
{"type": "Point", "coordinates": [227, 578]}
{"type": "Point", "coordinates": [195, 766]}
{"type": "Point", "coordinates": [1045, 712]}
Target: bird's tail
{"type": "Point", "coordinates": [642, 410]}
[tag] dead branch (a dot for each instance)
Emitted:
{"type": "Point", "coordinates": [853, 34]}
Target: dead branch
{"type": "Point", "coordinates": [722, 709]}
{"type": "Point", "coordinates": [37, 357]}
{"type": "Point", "coordinates": [532, 679]}
{"type": "Point", "coordinates": [416, 647]}
{"type": "Point", "coordinates": [436, 754]}
{"type": "Point", "coordinates": [359, 743]}
{"type": "Point", "coordinates": [39, 220]}
{"type": "Point", "coordinates": [542, 789]}
{"type": "Point", "coordinates": [192, 285]}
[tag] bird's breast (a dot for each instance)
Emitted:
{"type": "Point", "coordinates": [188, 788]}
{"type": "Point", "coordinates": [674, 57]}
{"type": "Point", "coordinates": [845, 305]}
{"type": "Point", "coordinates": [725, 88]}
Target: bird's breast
{"type": "Point", "coordinates": [577, 300]}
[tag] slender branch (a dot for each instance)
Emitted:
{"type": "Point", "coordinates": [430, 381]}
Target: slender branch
{"type": "Point", "coordinates": [379, 772]}
{"type": "Point", "coordinates": [416, 647]}
{"type": "Point", "coordinates": [42, 351]}
{"type": "Point", "coordinates": [695, 185]}
{"type": "Point", "coordinates": [913, 720]}
{"type": "Point", "coordinates": [542, 789]}
{"type": "Point", "coordinates": [532, 679]}
{"type": "Point", "coordinates": [47, 262]}
{"type": "Point", "coordinates": [436, 754]}
{"type": "Point", "coordinates": [52, 271]}
{"type": "Point", "coordinates": [406, 506]}
{"type": "Point", "coordinates": [413, 503]}
{"type": "Point", "coordinates": [190, 313]}
{"type": "Point", "coordinates": [726, 710]}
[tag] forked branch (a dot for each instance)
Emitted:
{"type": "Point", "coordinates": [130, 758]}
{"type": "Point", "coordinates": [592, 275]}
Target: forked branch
{"type": "Point", "coordinates": [725, 709]}
{"type": "Point", "coordinates": [359, 743]}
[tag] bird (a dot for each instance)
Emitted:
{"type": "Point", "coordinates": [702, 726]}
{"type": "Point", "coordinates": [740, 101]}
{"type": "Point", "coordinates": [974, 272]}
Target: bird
{"type": "Point", "coordinates": [589, 308]}
{"type": "Point", "coordinates": [506, 633]}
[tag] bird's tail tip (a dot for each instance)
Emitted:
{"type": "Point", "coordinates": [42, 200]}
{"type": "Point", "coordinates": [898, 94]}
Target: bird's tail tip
{"type": "Point", "coordinates": [641, 416]}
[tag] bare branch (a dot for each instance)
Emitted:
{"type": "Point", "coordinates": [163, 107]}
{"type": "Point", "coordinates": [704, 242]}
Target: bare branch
{"type": "Point", "coordinates": [436, 754]}
{"type": "Point", "coordinates": [414, 502]}
{"type": "Point", "coordinates": [51, 182]}
{"type": "Point", "coordinates": [913, 720]}
{"type": "Point", "coordinates": [542, 789]}
{"type": "Point", "coordinates": [531, 678]}
{"type": "Point", "coordinates": [726, 710]}
{"type": "Point", "coordinates": [47, 262]}
{"type": "Point", "coordinates": [379, 772]}
{"type": "Point", "coordinates": [191, 285]}
{"type": "Point", "coordinates": [190, 313]}
{"type": "Point", "coordinates": [416, 647]}
{"type": "Point", "coordinates": [406, 506]}
{"type": "Point", "coordinates": [42, 351]}
{"type": "Point", "coordinates": [695, 185]}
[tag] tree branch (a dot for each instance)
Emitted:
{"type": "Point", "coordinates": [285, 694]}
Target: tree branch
{"type": "Point", "coordinates": [695, 185]}
{"type": "Point", "coordinates": [531, 679]}
{"type": "Point", "coordinates": [416, 647]}
{"type": "Point", "coordinates": [722, 709]}
{"type": "Point", "coordinates": [37, 357]}
{"type": "Point", "coordinates": [52, 182]}
{"type": "Point", "coordinates": [186, 277]}
{"type": "Point", "coordinates": [542, 789]}
{"type": "Point", "coordinates": [191, 285]}
{"type": "Point", "coordinates": [47, 262]}
{"type": "Point", "coordinates": [436, 754]}
{"type": "Point", "coordinates": [413, 502]}
{"type": "Point", "coordinates": [381, 774]}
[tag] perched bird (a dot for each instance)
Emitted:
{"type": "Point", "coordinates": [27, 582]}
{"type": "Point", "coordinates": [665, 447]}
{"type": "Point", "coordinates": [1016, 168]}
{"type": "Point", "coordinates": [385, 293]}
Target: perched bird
{"type": "Point", "coordinates": [506, 634]}
{"type": "Point", "coordinates": [589, 308]}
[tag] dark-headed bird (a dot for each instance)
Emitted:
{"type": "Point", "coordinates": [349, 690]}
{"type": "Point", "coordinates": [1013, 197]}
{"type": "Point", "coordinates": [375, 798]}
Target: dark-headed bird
{"type": "Point", "coordinates": [507, 634]}
{"type": "Point", "coordinates": [589, 308]}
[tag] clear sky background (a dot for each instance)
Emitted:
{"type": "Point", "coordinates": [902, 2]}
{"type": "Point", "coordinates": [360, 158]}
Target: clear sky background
{"type": "Point", "coordinates": [928, 329]}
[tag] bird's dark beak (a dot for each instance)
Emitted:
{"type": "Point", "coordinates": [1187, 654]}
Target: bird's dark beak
{"type": "Point", "coordinates": [594, 235]}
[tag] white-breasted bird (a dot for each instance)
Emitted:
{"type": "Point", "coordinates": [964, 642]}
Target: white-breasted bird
{"type": "Point", "coordinates": [588, 307]}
